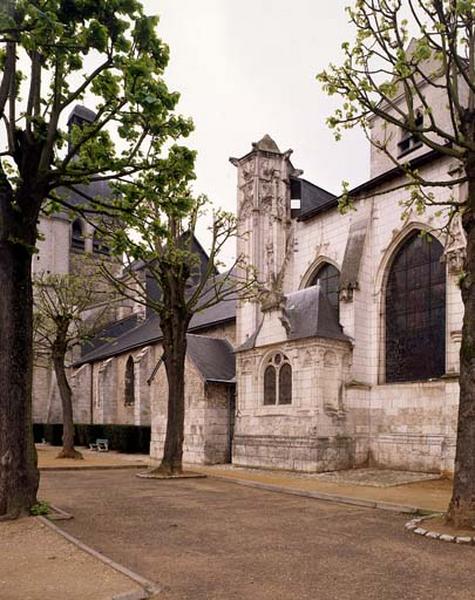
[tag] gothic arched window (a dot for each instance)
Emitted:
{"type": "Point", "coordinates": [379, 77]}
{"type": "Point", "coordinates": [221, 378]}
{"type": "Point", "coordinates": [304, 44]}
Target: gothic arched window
{"type": "Point", "coordinates": [77, 235]}
{"type": "Point", "coordinates": [329, 278]}
{"type": "Point", "coordinates": [278, 380]}
{"type": "Point", "coordinates": [129, 382]}
{"type": "Point", "coordinates": [415, 311]}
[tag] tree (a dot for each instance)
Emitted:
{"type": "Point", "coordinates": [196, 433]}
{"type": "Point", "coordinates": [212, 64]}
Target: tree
{"type": "Point", "coordinates": [384, 76]}
{"type": "Point", "coordinates": [160, 234]}
{"type": "Point", "coordinates": [69, 310]}
{"type": "Point", "coordinates": [53, 54]}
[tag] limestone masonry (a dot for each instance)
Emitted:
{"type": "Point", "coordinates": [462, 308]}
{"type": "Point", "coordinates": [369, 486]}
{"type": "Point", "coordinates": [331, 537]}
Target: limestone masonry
{"type": "Point", "coordinates": [348, 357]}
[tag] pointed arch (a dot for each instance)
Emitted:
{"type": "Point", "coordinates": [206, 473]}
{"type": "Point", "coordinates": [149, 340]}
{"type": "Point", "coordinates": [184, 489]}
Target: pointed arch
{"type": "Point", "coordinates": [414, 310]}
{"type": "Point", "coordinates": [129, 388]}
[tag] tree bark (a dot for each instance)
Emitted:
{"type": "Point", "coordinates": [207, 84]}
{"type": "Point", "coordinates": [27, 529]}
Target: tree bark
{"type": "Point", "coordinates": [174, 344]}
{"type": "Point", "coordinates": [461, 512]}
{"type": "Point", "coordinates": [19, 475]}
{"type": "Point", "coordinates": [59, 354]}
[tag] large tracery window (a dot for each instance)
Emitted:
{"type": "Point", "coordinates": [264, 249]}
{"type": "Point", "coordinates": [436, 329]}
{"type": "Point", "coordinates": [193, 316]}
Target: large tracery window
{"type": "Point", "coordinates": [278, 381]}
{"type": "Point", "coordinates": [328, 277]}
{"type": "Point", "coordinates": [415, 311]}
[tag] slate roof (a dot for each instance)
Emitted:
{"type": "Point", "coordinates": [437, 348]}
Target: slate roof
{"type": "Point", "coordinates": [309, 314]}
{"type": "Point", "coordinates": [149, 332]}
{"type": "Point", "coordinates": [214, 358]}
{"type": "Point", "coordinates": [312, 197]}
{"type": "Point", "coordinates": [371, 184]}
{"type": "Point", "coordinates": [110, 332]}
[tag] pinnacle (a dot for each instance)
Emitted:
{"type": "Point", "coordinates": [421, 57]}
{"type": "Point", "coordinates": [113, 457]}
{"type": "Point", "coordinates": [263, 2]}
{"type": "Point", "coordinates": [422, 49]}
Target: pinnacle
{"type": "Point", "coordinates": [266, 144]}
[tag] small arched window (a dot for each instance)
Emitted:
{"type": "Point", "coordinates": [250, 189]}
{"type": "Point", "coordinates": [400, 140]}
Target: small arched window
{"type": "Point", "coordinates": [328, 277]}
{"type": "Point", "coordinates": [98, 245]}
{"type": "Point", "coordinates": [278, 381]}
{"type": "Point", "coordinates": [415, 311]}
{"type": "Point", "coordinates": [77, 235]}
{"type": "Point", "coordinates": [270, 385]}
{"type": "Point", "coordinates": [129, 382]}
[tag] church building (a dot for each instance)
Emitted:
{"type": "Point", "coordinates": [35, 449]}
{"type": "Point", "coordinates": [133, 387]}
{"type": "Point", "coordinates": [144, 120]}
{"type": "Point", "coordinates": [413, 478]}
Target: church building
{"type": "Point", "coordinates": [347, 357]}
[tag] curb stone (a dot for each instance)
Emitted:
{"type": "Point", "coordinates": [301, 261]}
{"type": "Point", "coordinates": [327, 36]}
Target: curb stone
{"type": "Point", "coordinates": [138, 595]}
{"type": "Point", "coordinates": [148, 587]}
{"type": "Point", "coordinates": [413, 526]}
{"type": "Point", "coordinates": [388, 506]}
{"type": "Point", "coordinates": [92, 468]}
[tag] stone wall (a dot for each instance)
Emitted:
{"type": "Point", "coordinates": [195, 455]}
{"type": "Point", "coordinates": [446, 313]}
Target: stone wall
{"type": "Point", "coordinates": [206, 418]}
{"type": "Point", "coordinates": [409, 425]}
{"type": "Point", "coordinates": [314, 432]}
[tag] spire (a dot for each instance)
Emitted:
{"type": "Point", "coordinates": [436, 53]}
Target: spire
{"type": "Point", "coordinates": [266, 144]}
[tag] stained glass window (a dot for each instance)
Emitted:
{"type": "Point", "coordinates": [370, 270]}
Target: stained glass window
{"type": "Point", "coordinates": [415, 311]}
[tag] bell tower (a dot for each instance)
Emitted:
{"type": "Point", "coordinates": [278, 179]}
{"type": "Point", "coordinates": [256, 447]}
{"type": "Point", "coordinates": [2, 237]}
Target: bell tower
{"type": "Point", "coordinates": [264, 225]}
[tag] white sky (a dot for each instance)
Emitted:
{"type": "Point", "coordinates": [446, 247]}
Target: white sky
{"type": "Point", "coordinates": [247, 67]}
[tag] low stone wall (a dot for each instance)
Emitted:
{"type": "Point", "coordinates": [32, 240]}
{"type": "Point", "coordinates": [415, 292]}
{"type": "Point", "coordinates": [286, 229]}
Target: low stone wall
{"type": "Point", "coordinates": [414, 425]}
{"type": "Point", "coordinates": [310, 454]}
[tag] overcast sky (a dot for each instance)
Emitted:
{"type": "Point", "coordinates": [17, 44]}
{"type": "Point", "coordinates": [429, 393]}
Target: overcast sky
{"type": "Point", "coordinates": [247, 67]}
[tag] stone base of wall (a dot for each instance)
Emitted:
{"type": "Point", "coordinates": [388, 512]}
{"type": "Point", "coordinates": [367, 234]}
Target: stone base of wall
{"type": "Point", "coordinates": [309, 454]}
{"type": "Point", "coordinates": [195, 451]}
{"type": "Point", "coordinates": [413, 452]}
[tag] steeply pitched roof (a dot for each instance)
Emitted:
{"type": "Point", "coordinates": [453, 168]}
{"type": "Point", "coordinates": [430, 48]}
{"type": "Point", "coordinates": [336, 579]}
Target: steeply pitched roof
{"type": "Point", "coordinates": [110, 332]}
{"type": "Point", "coordinates": [214, 358]}
{"type": "Point", "coordinates": [149, 332]}
{"type": "Point", "coordinates": [307, 313]}
{"type": "Point", "coordinates": [310, 314]}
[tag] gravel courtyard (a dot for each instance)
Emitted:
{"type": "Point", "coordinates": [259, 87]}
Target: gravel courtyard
{"type": "Point", "coordinates": [205, 539]}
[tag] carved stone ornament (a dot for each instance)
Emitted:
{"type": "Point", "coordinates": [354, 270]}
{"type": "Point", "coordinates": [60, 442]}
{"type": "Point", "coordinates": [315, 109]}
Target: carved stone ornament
{"type": "Point", "coordinates": [249, 169]}
{"type": "Point", "coordinates": [248, 192]}
{"type": "Point", "coordinates": [455, 252]}
{"type": "Point", "coordinates": [246, 210]}
{"type": "Point", "coordinates": [271, 299]}
{"type": "Point", "coordinates": [455, 260]}
{"type": "Point", "coordinates": [265, 191]}
{"type": "Point", "coordinates": [346, 293]}
{"type": "Point", "coordinates": [267, 169]}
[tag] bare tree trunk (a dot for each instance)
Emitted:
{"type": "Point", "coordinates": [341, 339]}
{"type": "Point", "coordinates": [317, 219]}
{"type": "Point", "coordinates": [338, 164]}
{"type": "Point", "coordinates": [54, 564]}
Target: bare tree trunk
{"type": "Point", "coordinates": [68, 450]}
{"type": "Point", "coordinates": [174, 343]}
{"type": "Point", "coordinates": [461, 512]}
{"type": "Point", "coordinates": [19, 475]}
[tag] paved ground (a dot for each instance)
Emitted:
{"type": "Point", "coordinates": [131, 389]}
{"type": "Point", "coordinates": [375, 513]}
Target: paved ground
{"type": "Point", "coordinates": [397, 487]}
{"type": "Point", "coordinates": [38, 564]}
{"type": "Point", "coordinates": [427, 495]}
{"type": "Point", "coordinates": [47, 459]}
{"type": "Point", "coordinates": [208, 540]}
